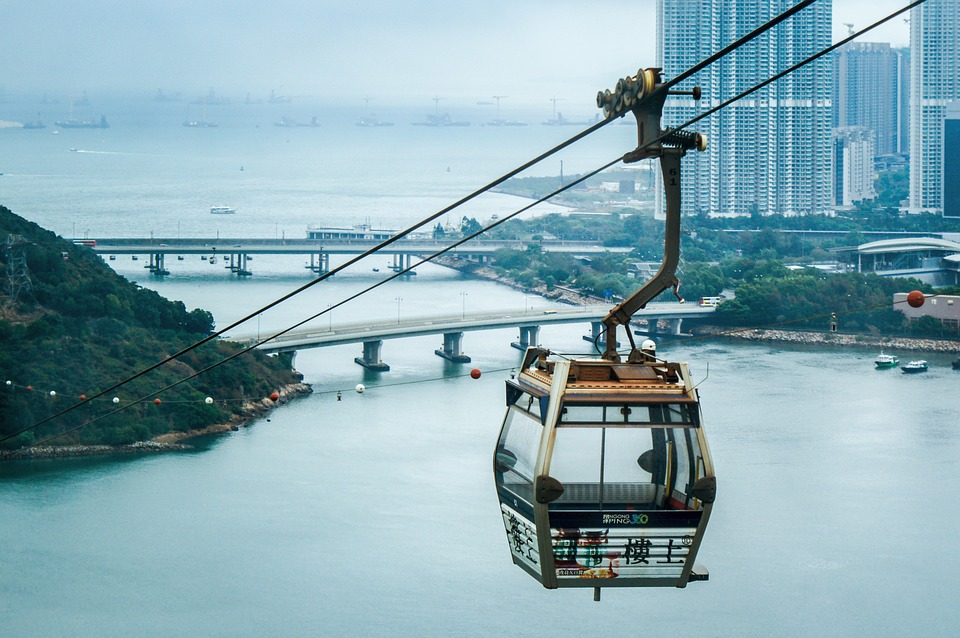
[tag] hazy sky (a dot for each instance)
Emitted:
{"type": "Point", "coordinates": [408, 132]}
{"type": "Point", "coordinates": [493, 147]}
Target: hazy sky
{"type": "Point", "coordinates": [408, 51]}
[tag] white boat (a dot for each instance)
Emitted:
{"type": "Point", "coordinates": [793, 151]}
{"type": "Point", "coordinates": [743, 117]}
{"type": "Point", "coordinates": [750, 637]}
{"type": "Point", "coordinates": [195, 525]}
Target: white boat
{"type": "Point", "coordinates": [222, 210]}
{"type": "Point", "coordinates": [884, 361]}
{"type": "Point", "coordinates": [914, 366]}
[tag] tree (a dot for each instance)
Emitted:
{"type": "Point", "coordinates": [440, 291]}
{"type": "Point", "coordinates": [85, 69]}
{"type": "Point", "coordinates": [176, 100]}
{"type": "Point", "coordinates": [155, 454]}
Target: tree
{"type": "Point", "coordinates": [469, 226]}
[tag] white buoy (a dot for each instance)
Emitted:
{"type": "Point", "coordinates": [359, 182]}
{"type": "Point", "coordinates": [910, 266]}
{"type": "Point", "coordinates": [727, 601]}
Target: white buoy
{"type": "Point", "coordinates": [360, 388]}
{"type": "Point", "coordinates": [208, 400]}
{"type": "Point", "coordinates": [116, 400]}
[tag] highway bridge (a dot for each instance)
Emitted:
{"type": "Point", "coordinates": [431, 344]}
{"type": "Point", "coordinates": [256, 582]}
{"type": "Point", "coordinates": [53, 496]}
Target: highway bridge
{"type": "Point", "coordinates": [235, 253]}
{"type": "Point", "coordinates": [372, 335]}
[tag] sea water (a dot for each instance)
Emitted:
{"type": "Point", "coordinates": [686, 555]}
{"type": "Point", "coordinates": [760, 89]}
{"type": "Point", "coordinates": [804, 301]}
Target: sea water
{"type": "Point", "coordinates": [375, 514]}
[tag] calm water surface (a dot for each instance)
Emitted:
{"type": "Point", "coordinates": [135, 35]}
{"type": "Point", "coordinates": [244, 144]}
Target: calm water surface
{"type": "Point", "coordinates": [376, 514]}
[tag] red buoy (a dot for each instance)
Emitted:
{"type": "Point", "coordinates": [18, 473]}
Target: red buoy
{"type": "Point", "coordinates": [83, 397]}
{"type": "Point", "coordinates": [915, 299]}
{"type": "Point", "coordinates": [156, 401]}
{"type": "Point", "coordinates": [475, 373]}
{"type": "Point", "coordinates": [275, 396]}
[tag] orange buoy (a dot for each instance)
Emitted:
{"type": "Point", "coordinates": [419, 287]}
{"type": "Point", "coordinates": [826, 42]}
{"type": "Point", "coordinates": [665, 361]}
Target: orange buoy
{"type": "Point", "coordinates": [475, 373]}
{"type": "Point", "coordinates": [275, 396]}
{"type": "Point", "coordinates": [156, 401]}
{"type": "Point", "coordinates": [915, 299]}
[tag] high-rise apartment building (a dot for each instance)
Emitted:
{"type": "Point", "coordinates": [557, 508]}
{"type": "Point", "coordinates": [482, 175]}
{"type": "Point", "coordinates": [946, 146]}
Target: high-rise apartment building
{"type": "Point", "coordinates": [903, 102]}
{"type": "Point", "coordinates": [934, 82]}
{"type": "Point", "coordinates": [853, 153]}
{"type": "Point", "coordinates": [866, 91]}
{"type": "Point", "coordinates": [771, 152]}
{"type": "Point", "coordinates": [951, 160]}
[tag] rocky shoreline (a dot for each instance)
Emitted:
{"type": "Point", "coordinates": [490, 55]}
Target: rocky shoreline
{"type": "Point", "coordinates": [833, 339]}
{"type": "Point", "coordinates": [169, 442]}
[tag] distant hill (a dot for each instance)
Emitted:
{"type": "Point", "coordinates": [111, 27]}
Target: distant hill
{"type": "Point", "coordinates": [77, 327]}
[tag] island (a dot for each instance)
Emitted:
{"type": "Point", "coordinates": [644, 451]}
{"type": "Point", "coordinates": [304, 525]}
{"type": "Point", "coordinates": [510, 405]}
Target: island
{"type": "Point", "coordinates": [71, 327]}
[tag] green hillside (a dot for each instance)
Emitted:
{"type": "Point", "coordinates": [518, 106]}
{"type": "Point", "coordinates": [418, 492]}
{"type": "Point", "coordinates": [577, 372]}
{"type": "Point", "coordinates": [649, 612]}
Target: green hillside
{"type": "Point", "coordinates": [75, 327]}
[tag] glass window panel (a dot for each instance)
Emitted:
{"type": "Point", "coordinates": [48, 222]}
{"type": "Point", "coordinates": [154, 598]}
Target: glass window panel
{"type": "Point", "coordinates": [653, 414]}
{"type": "Point", "coordinates": [576, 455]}
{"type": "Point", "coordinates": [516, 454]}
{"type": "Point", "coordinates": [684, 462]}
{"type": "Point", "coordinates": [622, 449]}
{"type": "Point", "coordinates": [583, 414]}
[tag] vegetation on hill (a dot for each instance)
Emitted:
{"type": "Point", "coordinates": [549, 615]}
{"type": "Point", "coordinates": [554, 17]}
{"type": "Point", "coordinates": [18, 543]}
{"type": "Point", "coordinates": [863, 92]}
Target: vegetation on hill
{"type": "Point", "coordinates": [79, 328]}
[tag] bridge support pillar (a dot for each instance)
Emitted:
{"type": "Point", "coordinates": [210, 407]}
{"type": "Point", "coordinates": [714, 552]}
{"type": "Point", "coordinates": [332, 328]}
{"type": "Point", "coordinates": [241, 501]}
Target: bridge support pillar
{"type": "Point", "coordinates": [402, 262]}
{"type": "Point", "coordinates": [238, 264]}
{"type": "Point", "coordinates": [673, 325]}
{"type": "Point", "coordinates": [371, 357]}
{"type": "Point", "coordinates": [529, 336]}
{"type": "Point", "coordinates": [319, 263]}
{"type": "Point", "coordinates": [597, 335]}
{"type": "Point", "coordinates": [156, 264]}
{"type": "Point", "coordinates": [452, 348]}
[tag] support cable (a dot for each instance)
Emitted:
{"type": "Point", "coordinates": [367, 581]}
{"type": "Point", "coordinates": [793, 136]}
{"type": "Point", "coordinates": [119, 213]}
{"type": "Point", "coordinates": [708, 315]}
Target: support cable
{"type": "Point", "coordinates": [763, 28]}
{"type": "Point", "coordinates": [260, 342]}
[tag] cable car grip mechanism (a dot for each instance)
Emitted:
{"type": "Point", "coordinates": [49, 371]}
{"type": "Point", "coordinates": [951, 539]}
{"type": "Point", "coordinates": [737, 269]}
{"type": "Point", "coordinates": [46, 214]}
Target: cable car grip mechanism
{"type": "Point", "coordinates": [645, 96]}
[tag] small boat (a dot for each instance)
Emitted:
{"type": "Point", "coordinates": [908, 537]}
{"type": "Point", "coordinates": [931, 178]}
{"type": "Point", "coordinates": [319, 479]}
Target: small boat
{"type": "Point", "coordinates": [222, 210]}
{"type": "Point", "coordinates": [884, 361]}
{"type": "Point", "coordinates": [913, 367]}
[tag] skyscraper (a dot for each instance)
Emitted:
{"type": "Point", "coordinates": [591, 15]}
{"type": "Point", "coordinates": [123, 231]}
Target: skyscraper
{"type": "Point", "coordinates": [865, 91]}
{"type": "Point", "coordinates": [853, 165]}
{"type": "Point", "coordinates": [934, 81]}
{"type": "Point", "coordinates": [771, 152]}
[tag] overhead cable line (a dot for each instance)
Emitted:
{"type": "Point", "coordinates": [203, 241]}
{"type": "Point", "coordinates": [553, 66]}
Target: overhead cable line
{"type": "Point", "coordinates": [738, 43]}
{"type": "Point", "coordinates": [798, 65]}
{"type": "Point", "coordinates": [260, 342]}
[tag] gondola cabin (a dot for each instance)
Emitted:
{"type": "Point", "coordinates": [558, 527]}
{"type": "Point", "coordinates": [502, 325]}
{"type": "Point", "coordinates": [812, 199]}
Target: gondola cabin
{"type": "Point", "coordinates": [603, 472]}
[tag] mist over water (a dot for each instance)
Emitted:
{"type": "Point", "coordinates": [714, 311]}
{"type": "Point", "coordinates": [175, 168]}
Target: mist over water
{"type": "Point", "coordinates": [376, 514]}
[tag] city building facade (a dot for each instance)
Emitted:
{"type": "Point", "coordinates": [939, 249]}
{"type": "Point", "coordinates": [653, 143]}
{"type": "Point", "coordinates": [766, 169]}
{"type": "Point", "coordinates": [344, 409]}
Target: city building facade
{"type": "Point", "coordinates": [853, 172]}
{"type": "Point", "coordinates": [770, 152]}
{"type": "Point", "coordinates": [866, 91]}
{"type": "Point", "coordinates": [934, 83]}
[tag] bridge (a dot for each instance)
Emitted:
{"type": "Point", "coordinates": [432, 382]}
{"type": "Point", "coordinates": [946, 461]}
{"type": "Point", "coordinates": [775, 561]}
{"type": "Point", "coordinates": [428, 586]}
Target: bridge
{"type": "Point", "coordinates": [236, 253]}
{"type": "Point", "coordinates": [452, 327]}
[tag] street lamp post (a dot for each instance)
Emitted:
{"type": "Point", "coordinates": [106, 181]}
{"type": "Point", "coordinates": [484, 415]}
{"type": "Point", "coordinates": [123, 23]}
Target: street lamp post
{"type": "Point", "coordinates": [398, 300]}
{"type": "Point", "coordinates": [463, 312]}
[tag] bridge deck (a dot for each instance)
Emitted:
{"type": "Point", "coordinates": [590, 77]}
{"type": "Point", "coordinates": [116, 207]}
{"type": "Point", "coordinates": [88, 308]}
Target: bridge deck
{"type": "Point", "coordinates": [363, 332]}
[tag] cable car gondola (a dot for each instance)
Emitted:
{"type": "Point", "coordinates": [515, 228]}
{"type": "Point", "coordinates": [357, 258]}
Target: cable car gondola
{"type": "Point", "coordinates": [602, 467]}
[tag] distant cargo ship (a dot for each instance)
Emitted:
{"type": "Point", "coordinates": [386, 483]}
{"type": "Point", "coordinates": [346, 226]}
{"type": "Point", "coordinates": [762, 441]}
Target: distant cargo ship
{"type": "Point", "coordinates": [288, 123]}
{"type": "Point", "coordinates": [441, 120]}
{"type": "Point", "coordinates": [373, 121]}
{"type": "Point", "coordinates": [72, 123]}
